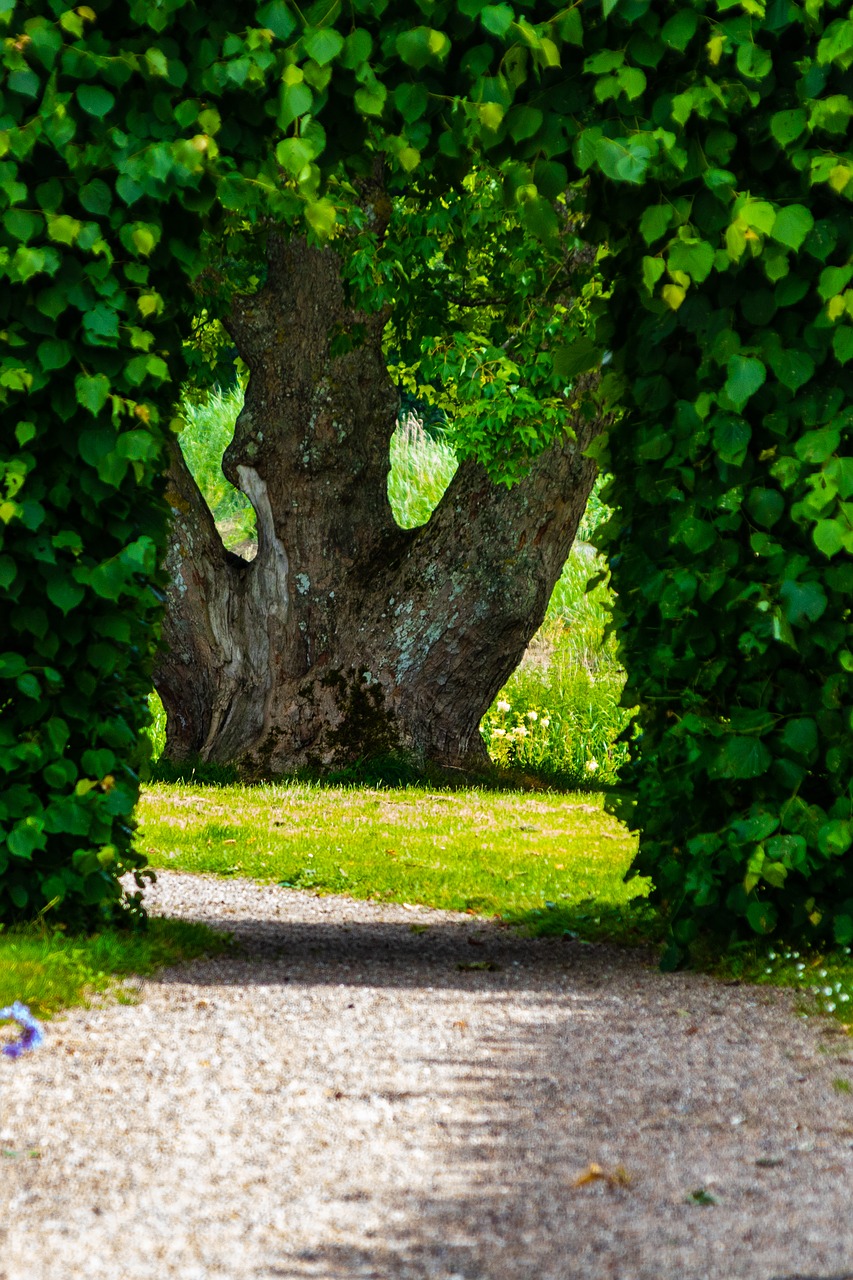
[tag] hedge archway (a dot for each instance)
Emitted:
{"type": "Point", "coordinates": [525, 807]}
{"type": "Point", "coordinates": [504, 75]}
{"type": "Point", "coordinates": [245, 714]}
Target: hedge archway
{"type": "Point", "coordinates": [712, 141]}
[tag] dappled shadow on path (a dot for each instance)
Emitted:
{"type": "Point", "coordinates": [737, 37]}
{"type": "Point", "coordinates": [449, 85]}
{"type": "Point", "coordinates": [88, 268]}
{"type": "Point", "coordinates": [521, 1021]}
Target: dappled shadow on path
{"type": "Point", "coordinates": [592, 1117]}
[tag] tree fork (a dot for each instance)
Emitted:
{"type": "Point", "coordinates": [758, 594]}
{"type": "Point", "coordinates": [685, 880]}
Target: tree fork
{"type": "Point", "coordinates": [348, 636]}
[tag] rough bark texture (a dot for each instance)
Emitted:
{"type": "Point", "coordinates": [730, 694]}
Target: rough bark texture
{"type": "Point", "coordinates": [347, 636]}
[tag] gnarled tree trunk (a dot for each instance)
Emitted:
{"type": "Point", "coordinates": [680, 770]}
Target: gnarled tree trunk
{"type": "Point", "coordinates": [347, 636]}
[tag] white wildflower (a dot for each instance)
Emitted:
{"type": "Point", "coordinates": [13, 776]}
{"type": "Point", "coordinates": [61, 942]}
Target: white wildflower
{"type": "Point", "coordinates": [592, 766]}
{"type": "Point", "coordinates": [533, 715]}
{"type": "Point", "coordinates": [503, 706]}
{"type": "Point", "coordinates": [546, 720]}
{"type": "Point", "coordinates": [499, 733]}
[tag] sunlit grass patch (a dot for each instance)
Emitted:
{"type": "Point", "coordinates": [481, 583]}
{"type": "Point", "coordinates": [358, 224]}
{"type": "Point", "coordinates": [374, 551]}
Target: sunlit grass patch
{"type": "Point", "coordinates": [493, 853]}
{"type": "Point", "coordinates": [48, 971]}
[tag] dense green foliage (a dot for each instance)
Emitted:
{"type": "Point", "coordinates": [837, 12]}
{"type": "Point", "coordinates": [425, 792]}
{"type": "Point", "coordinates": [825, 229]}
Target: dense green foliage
{"type": "Point", "coordinates": [732, 337]}
{"type": "Point", "coordinates": [704, 144]}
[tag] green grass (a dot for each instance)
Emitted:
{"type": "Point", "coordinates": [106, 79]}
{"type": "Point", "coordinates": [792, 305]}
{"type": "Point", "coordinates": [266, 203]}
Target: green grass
{"type": "Point", "coordinates": [824, 979]}
{"type": "Point", "coordinates": [47, 970]}
{"type": "Point", "coordinates": [552, 862]}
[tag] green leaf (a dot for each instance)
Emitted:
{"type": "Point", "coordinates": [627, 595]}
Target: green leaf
{"type": "Point", "coordinates": [793, 368]}
{"type": "Point", "coordinates": [277, 17]}
{"type": "Point", "coordinates": [92, 391]}
{"type": "Point", "coordinates": [12, 665]}
{"type": "Point", "coordinates": [802, 601]}
{"type": "Point", "coordinates": [357, 49]}
{"type": "Point", "coordinates": [786, 126]}
{"type": "Point", "coordinates": [762, 917]}
{"type": "Point", "coordinates": [819, 445]}
{"type": "Point", "coordinates": [830, 536]}
{"type": "Point", "coordinates": [740, 758]}
{"type": "Point", "coordinates": [655, 222]}
{"type": "Point", "coordinates": [524, 122]}
{"type": "Point", "coordinates": [26, 836]}
{"type": "Point", "coordinates": [54, 354]}
{"type": "Point", "coordinates": [95, 99]}
{"type": "Point", "coordinates": [696, 257]}
{"type": "Point", "coordinates": [497, 18]}
{"type": "Point", "coordinates": [792, 225]}
{"type": "Point", "coordinates": [411, 101]}
{"type": "Point", "coordinates": [731, 438]}
{"type": "Point", "coordinates": [842, 344]}
{"type": "Point", "coordinates": [842, 928]}
{"type": "Point", "coordinates": [95, 197]}
{"type": "Point", "coordinates": [293, 154]}
{"type": "Point", "coordinates": [321, 216]}
{"type": "Point", "coordinates": [422, 46]}
{"type": "Point", "coordinates": [835, 838]}
{"type": "Point", "coordinates": [371, 101]}
{"type": "Point", "coordinates": [766, 506]}
{"type": "Point", "coordinates": [745, 375]}
{"type": "Point", "coordinates": [680, 29]}
{"type": "Point", "coordinates": [578, 357]}
{"type": "Point", "coordinates": [653, 269]}
{"type": "Point", "coordinates": [800, 736]}
{"type": "Point", "coordinates": [324, 45]}
{"type": "Point", "coordinates": [753, 62]}
{"type": "Point", "coordinates": [64, 593]}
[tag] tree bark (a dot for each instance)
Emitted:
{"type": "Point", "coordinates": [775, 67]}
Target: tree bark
{"type": "Point", "coordinates": [348, 637]}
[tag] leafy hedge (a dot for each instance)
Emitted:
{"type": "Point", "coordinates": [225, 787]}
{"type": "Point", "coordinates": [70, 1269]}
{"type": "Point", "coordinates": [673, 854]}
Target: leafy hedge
{"type": "Point", "coordinates": [733, 332]}
{"type": "Point", "coordinates": [705, 144]}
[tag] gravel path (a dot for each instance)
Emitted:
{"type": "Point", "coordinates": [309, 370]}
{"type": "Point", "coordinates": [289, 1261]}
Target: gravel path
{"type": "Point", "coordinates": [346, 1097]}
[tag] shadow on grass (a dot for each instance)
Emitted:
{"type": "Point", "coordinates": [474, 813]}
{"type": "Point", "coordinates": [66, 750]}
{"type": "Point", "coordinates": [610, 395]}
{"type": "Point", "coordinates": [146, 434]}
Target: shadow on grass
{"type": "Point", "coordinates": [384, 771]}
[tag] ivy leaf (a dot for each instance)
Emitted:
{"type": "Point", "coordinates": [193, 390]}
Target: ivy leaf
{"type": "Point", "coordinates": [655, 222]}
{"type": "Point", "coordinates": [95, 197]}
{"type": "Point", "coordinates": [766, 506]}
{"type": "Point", "coordinates": [411, 101]}
{"type": "Point", "coordinates": [324, 45]}
{"type": "Point", "coordinates": [836, 837]}
{"type": "Point", "coordinates": [277, 18]}
{"type": "Point", "coordinates": [740, 758]}
{"type": "Point", "coordinates": [422, 46]}
{"type": "Point", "coordinates": [731, 438]}
{"type": "Point", "coordinates": [800, 736]}
{"type": "Point", "coordinates": [497, 18]}
{"type": "Point", "coordinates": [745, 375]}
{"type": "Point", "coordinates": [95, 100]}
{"type": "Point", "coordinates": [65, 593]}
{"type": "Point", "coordinates": [92, 391]}
{"type": "Point", "coordinates": [842, 344]}
{"type": "Point", "coordinates": [762, 916]}
{"type": "Point", "coordinates": [792, 225]}
{"type": "Point", "coordinates": [578, 357]}
{"type": "Point", "coordinates": [803, 601]}
{"type": "Point", "coordinates": [830, 537]}
{"type": "Point", "coordinates": [786, 126]}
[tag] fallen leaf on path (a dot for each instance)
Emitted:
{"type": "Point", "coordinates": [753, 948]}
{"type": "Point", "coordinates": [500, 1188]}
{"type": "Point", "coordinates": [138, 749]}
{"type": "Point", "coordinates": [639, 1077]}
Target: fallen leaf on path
{"type": "Point", "coordinates": [460, 1024]}
{"type": "Point", "coordinates": [488, 965]}
{"type": "Point", "coordinates": [618, 1177]}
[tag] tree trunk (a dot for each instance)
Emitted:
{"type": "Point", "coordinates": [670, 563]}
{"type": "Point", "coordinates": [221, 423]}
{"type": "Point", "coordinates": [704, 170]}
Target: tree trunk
{"type": "Point", "coordinates": [347, 637]}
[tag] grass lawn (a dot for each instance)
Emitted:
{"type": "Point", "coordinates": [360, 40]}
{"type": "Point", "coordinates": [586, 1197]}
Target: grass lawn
{"type": "Point", "coordinates": [554, 862]}
{"type": "Point", "coordinates": [48, 970]}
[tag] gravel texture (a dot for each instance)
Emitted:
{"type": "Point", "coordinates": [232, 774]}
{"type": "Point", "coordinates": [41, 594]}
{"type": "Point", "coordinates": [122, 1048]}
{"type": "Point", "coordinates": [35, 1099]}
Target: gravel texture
{"type": "Point", "coordinates": [343, 1096]}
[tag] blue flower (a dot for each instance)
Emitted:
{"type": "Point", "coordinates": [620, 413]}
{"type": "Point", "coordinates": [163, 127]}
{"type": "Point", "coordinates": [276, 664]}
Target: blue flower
{"type": "Point", "coordinates": [31, 1035]}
